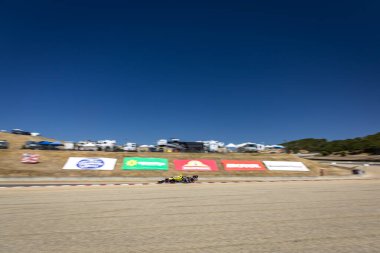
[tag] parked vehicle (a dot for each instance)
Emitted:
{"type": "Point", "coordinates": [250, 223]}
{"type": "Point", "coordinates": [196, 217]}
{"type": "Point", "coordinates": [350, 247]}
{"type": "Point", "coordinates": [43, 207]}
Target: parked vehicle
{"type": "Point", "coordinates": [212, 146]}
{"type": "Point", "coordinates": [102, 145]}
{"type": "Point", "coordinates": [31, 145]}
{"type": "Point", "coordinates": [68, 145]}
{"type": "Point", "coordinates": [42, 145]}
{"type": "Point", "coordinates": [19, 131]}
{"type": "Point", "coordinates": [172, 146]}
{"type": "Point", "coordinates": [247, 147]}
{"type": "Point", "coordinates": [177, 145]}
{"type": "Point", "coordinates": [106, 145]}
{"type": "Point", "coordinates": [4, 144]}
{"type": "Point", "coordinates": [86, 146]}
{"type": "Point", "coordinates": [48, 145]}
{"type": "Point", "coordinates": [130, 147]}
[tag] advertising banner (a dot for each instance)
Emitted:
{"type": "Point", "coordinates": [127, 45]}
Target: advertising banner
{"type": "Point", "coordinates": [234, 165]}
{"type": "Point", "coordinates": [90, 163]}
{"type": "Point", "coordinates": [138, 163]}
{"type": "Point", "coordinates": [288, 166]}
{"type": "Point", "coordinates": [195, 165]}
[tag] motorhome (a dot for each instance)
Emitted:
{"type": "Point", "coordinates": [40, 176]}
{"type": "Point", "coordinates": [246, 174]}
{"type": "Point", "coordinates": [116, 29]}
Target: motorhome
{"type": "Point", "coordinates": [212, 146]}
{"type": "Point", "coordinates": [247, 147]}
{"type": "Point", "coordinates": [169, 146]}
{"type": "Point", "coordinates": [86, 146]}
{"type": "Point", "coordinates": [106, 145]}
{"type": "Point", "coordinates": [176, 145]}
{"type": "Point", "coordinates": [68, 145]}
{"type": "Point", "coordinates": [130, 147]}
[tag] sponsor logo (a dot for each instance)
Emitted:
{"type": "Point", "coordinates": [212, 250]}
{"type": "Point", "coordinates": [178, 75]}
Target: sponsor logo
{"type": "Point", "coordinates": [242, 165]}
{"type": "Point", "coordinates": [196, 165]}
{"type": "Point", "coordinates": [132, 163]}
{"type": "Point", "coordinates": [139, 163]}
{"type": "Point", "coordinates": [90, 163]}
{"type": "Point", "coordinates": [285, 165]}
{"type": "Point", "coordinates": [152, 164]}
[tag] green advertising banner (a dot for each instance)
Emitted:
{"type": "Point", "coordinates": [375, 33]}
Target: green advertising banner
{"type": "Point", "coordinates": [139, 163]}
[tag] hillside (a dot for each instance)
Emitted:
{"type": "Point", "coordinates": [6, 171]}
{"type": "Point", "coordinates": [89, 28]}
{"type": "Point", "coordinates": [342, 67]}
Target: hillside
{"type": "Point", "coordinates": [368, 144]}
{"type": "Point", "coordinates": [16, 141]}
{"type": "Point", "coordinates": [51, 162]}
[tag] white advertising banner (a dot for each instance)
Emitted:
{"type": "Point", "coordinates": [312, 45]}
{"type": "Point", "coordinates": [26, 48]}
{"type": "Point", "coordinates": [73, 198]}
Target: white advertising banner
{"type": "Point", "coordinates": [288, 166]}
{"type": "Point", "coordinates": [86, 163]}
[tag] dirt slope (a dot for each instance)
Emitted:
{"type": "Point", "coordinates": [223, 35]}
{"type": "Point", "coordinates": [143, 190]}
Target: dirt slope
{"type": "Point", "coordinates": [51, 162]}
{"type": "Point", "coordinates": [16, 141]}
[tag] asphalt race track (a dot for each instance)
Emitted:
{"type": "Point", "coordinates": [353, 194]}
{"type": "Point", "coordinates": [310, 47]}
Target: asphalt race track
{"type": "Point", "coordinates": [334, 216]}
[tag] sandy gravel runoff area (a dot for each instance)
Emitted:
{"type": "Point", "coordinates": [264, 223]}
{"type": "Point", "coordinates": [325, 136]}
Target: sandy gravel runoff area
{"type": "Point", "coordinates": [288, 217]}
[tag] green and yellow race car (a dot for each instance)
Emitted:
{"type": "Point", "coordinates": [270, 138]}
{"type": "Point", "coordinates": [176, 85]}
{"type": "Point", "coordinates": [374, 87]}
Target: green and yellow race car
{"type": "Point", "coordinates": [179, 179]}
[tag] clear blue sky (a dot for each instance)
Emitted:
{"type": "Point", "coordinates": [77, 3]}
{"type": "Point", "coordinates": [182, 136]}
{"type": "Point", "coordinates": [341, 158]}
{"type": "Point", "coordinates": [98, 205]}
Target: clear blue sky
{"type": "Point", "coordinates": [264, 71]}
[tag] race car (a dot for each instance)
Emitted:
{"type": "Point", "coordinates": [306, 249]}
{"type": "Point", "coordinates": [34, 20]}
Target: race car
{"type": "Point", "coordinates": [179, 179]}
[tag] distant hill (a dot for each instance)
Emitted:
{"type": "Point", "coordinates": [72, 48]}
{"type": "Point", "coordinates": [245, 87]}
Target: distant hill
{"type": "Point", "coordinates": [368, 144]}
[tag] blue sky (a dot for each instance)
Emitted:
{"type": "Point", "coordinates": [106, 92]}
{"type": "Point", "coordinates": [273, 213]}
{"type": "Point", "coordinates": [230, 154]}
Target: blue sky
{"type": "Point", "coordinates": [264, 71]}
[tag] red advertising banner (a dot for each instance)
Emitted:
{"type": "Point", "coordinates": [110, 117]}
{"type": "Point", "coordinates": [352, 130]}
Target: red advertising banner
{"type": "Point", "coordinates": [195, 165]}
{"type": "Point", "coordinates": [232, 165]}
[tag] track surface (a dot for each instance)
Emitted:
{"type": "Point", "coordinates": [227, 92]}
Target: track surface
{"type": "Point", "coordinates": [335, 216]}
